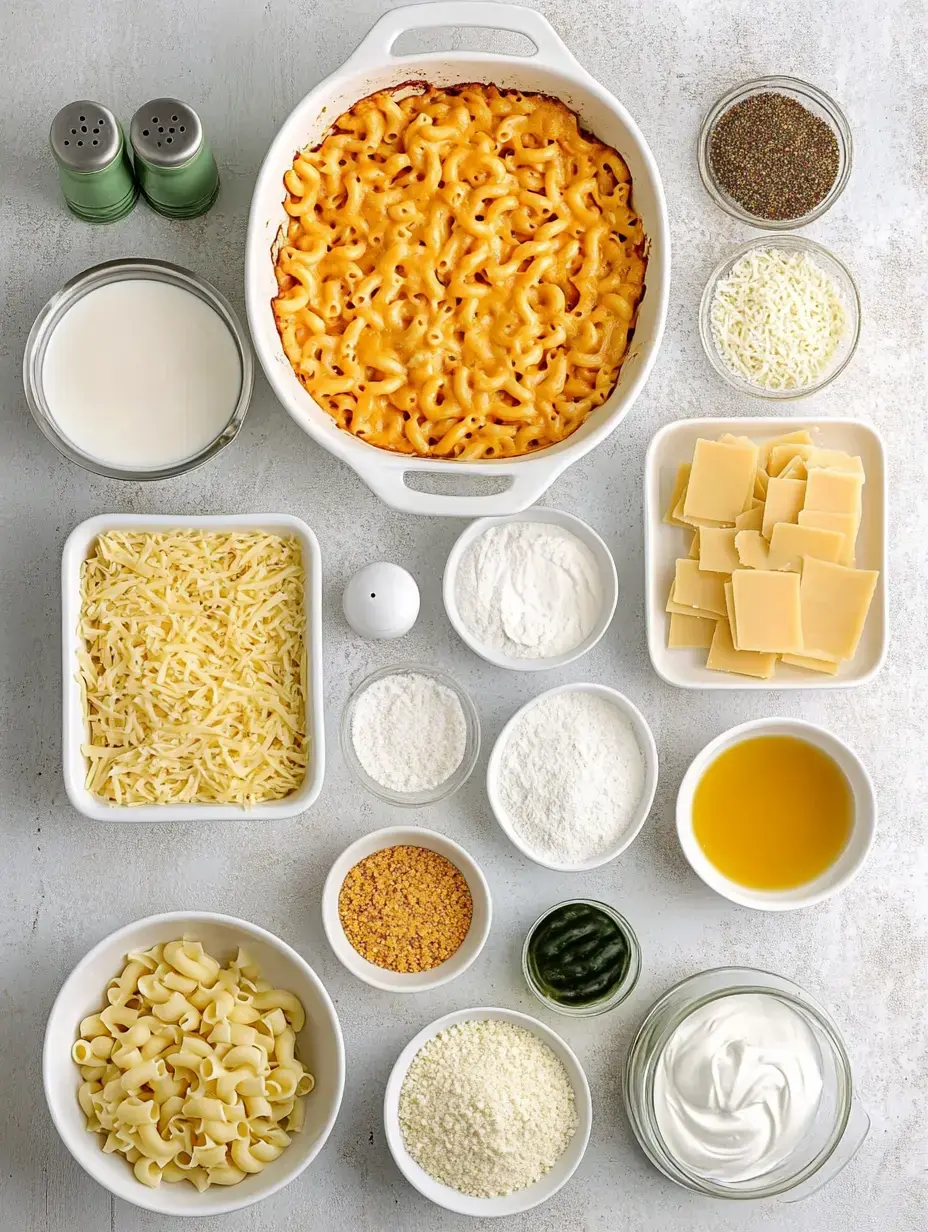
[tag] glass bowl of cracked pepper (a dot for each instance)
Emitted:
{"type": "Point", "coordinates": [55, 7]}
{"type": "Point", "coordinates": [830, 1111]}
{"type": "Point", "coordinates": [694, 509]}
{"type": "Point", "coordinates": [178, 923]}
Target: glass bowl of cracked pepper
{"type": "Point", "coordinates": [775, 152]}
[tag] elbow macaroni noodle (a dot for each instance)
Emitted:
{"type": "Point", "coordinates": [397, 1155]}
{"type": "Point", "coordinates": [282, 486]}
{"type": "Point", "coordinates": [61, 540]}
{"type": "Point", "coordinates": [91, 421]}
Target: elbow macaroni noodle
{"type": "Point", "coordinates": [190, 1071]}
{"type": "Point", "coordinates": [461, 272]}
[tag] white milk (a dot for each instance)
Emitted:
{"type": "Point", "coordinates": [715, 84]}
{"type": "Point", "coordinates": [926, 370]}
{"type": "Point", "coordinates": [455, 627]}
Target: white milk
{"type": "Point", "coordinates": [141, 374]}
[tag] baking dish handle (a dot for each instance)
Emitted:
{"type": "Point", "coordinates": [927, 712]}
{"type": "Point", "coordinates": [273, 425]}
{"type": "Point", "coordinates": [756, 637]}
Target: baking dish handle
{"type": "Point", "coordinates": [529, 480]}
{"type": "Point", "coordinates": [378, 45]}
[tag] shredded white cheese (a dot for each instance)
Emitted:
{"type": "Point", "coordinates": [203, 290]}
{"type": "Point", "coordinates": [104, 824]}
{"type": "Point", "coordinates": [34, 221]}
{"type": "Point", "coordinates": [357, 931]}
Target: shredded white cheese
{"type": "Point", "coordinates": [193, 667]}
{"type": "Point", "coordinates": [777, 319]}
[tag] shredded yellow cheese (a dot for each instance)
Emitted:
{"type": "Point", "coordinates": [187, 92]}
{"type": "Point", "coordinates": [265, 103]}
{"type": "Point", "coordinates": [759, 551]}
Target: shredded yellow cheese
{"type": "Point", "coordinates": [193, 667]}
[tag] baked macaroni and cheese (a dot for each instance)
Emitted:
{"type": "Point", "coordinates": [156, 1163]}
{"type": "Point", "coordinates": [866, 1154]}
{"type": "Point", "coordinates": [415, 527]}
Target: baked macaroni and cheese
{"type": "Point", "coordinates": [461, 272]}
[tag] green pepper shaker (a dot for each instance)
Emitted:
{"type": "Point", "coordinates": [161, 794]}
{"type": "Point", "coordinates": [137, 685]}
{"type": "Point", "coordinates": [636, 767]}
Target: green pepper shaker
{"type": "Point", "coordinates": [94, 169]}
{"type": "Point", "coordinates": [174, 164]}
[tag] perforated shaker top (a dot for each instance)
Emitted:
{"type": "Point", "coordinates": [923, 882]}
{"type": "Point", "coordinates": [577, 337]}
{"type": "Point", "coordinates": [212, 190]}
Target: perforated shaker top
{"type": "Point", "coordinates": [85, 136]}
{"type": "Point", "coordinates": [165, 132]}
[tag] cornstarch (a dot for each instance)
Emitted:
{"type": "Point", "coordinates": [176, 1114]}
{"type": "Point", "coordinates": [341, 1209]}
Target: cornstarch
{"type": "Point", "coordinates": [409, 732]}
{"type": "Point", "coordinates": [570, 777]}
{"type": "Point", "coordinates": [487, 1108]}
{"type": "Point", "coordinates": [529, 590]}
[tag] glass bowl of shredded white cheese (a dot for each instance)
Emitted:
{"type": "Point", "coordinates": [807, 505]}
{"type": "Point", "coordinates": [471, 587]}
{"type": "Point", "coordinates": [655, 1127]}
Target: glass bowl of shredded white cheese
{"type": "Point", "coordinates": [780, 317]}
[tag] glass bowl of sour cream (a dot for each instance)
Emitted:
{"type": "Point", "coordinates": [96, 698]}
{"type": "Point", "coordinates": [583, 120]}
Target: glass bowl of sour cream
{"type": "Point", "coordinates": [138, 370]}
{"type": "Point", "coordinates": [738, 1085]}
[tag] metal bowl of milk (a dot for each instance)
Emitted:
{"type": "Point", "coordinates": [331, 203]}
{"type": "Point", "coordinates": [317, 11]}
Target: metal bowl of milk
{"type": "Point", "coordinates": [138, 370]}
{"type": "Point", "coordinates": [738, 1085]}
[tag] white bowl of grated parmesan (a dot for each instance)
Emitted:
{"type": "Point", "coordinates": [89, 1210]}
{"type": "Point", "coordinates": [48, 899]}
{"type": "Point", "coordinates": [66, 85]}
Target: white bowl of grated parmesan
{"type": "Point", "coordinates": [519, 1065]}
{"type": "Point", "coordinates": [780, 317]}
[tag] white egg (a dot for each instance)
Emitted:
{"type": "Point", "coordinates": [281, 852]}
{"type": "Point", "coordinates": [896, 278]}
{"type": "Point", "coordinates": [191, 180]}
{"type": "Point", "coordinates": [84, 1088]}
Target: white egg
{"type": "Point", "coordinates": [381, 600]}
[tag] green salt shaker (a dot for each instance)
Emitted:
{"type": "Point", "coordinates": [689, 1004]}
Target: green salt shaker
{"type": "Point", "coordinates": [174, 164]}
{"type": "Point", "coordinates": [93, 162]}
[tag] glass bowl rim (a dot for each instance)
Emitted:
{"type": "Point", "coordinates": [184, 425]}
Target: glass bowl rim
{"type": "Point", "coordinates": [775, 83]}
{"type": "Point", "coordinates": [795, 243]}
{"type": "Point", "coordinates": [623, 990]}
{"type": "Point", "coordinates": [472, 745]}
{"type": "Point", "coordinates": [642, 1064]}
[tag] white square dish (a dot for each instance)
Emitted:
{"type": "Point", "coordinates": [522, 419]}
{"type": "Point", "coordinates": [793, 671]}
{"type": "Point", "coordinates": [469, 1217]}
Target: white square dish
{"type": "Point", "coordinates": [663, 544]}
{"type": "Point", "coordinates": [76, 550]}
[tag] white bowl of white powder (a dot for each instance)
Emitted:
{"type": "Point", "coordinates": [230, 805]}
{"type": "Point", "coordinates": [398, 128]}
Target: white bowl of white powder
{"type": "Point", "coordinates": [572, 776]}
{"type": "Point", "coordinates": [531, 591]}
{"type": "Point", "coordinates": [490, 1100]}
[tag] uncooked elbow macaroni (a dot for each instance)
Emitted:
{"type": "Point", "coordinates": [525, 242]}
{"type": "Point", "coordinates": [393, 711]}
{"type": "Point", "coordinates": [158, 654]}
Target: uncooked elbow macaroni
{"type": "Point", "coordinates": [461, 272]}
{"type": "Point", "coordinates": [191, 1069]}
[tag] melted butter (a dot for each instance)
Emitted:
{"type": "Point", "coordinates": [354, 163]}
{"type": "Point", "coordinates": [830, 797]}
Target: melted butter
{"type": "Point", "coordinates": [773, 813]}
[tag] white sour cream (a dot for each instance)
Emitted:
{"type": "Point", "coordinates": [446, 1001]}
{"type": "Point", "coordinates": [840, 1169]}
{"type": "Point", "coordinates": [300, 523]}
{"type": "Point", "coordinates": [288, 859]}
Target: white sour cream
{"type": "Point", "coordinates": [141, 374]}
{"type": "Point", "coordinates": [737, 1086]}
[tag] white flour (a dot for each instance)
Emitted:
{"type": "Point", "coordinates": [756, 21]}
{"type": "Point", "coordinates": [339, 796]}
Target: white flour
{"type": "Point", "coordinates": [409, 732]}
{"type": "Point", "coordinates": [530, 590]}
{"type": "Point", "coordinates": [571, 776]}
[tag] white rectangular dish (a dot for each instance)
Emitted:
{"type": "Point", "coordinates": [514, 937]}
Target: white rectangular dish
{"type": "Point", "coordinates": [663, 544]}
{"type": "Point", "coordinates": [76, 550]}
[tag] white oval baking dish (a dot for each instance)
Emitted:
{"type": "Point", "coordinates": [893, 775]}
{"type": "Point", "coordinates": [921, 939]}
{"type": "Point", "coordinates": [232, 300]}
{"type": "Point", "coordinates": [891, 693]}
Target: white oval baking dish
{"type": "Point", "coordinates": [550, 70]}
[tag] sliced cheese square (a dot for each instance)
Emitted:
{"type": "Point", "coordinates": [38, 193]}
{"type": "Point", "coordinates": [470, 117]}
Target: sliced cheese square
{"type": "Point", "coordinates": [752, 520]}
{"type": "Point", "coordinates": [679, 487]}
{"type": "Point", "coordinates": [789, 543]}
{"type": "Point", "coordinates": [834, 603]}
{"type": "Point", "coordinates": [831, 491]}
{"type": "Point", "coordinates": [695, 588]}
{"type": "Point", "coordinates": [681, 520]}
{"type": "Point", "coordinates": [785, 498]}
{"type": "Point", "coordinates": [752, 550]}
{"type": "Point", "coordinates": [723, 657]}
{"type": "Point", "coordinates": [828, 666]}
{"type": "Point", "coordinates": [844, 524]}
{"type": "Point", "coordinates": [767, 611]}
{"type": "Point", "coordinates": [721, 480]}
{"type": "Point", "coordinates": [761, 479]}
{"type": "Point", "coordinates": [717, 549]}
{"type": "Point", "coordinates": [689, 632]}
{"type": "Point", "coordinates": [694, 545]}
{"type": "Point", "coordinates": [835, 459]}
{"type": "Point", "coordinates": [782, 456]}
{"type": "Point", "coordinates": [796, 469]}
{"type": "Point", "coordinates": [799, 437]}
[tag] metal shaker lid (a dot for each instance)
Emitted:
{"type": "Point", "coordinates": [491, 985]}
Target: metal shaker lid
{"type": "Point", "coordinates": [85, 136]}
{"type": "Point", "coordinates": [165, 132]}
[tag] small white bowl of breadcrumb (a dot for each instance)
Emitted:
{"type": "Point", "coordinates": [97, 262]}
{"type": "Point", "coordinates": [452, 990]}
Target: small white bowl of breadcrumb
{"type": "Point", "coordinates": [523, 1062]}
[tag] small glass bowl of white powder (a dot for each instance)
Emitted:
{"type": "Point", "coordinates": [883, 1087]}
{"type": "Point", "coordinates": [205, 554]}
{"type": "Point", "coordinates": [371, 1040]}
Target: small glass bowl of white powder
{"type": "Point", "coordinates": [531, 591]}
{"type": "Point", "coordinates": [410, 734]}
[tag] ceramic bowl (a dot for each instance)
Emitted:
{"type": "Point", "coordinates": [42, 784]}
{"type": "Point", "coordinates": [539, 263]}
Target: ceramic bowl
{"type": "Point", "coordinates": [319, 1046]}
{"type": "Point", "coordinates": [523, 1199]}
{"type": "Point", "coordinates": [839, 874]}
{"type": "Point", "coordinates": [400, 981]}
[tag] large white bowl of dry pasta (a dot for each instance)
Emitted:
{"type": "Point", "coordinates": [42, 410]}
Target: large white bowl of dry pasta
{"type": "Point", "coordinates": [193, 1063]}
{"type": "Point", "coordinates": [458, 263]}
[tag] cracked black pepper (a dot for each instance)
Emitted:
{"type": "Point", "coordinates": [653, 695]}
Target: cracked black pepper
{"type": "Point", "coordinates": [774, 157]}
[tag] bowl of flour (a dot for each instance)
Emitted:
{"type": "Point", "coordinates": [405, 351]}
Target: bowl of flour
{"type": "Point", "coordinates": [410, 734]}
{"type": "Point", "coordinates": [572, 776]}
{"type": "Point", "coordinates": [532, 591]}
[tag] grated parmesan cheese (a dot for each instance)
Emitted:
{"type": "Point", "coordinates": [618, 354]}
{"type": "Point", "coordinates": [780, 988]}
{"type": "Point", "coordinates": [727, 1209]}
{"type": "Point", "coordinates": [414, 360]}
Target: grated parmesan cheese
{"type": "Point", "coordinates": [487, 1108]}
{"type": "Point", "coordinates": [193, 667]}
{"type": "Point", "coordinates": [777, 319]}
